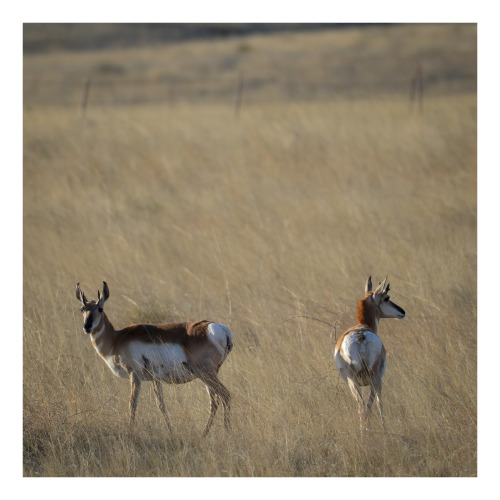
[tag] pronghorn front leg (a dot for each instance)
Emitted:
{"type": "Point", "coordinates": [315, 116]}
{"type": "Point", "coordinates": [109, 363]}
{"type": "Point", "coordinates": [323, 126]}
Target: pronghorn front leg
{"type": "Point", "coordinates": [356, 392]}
{"type": "Point", "coordinates": [159, 401]}
{"type": "Point", "coordinates": [135, 389]}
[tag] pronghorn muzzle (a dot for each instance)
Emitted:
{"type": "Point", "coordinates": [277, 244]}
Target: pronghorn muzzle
{"type": "Point", "coordinates": [400, 310]}
{"type": "Point", "coordinates": [87, 327]}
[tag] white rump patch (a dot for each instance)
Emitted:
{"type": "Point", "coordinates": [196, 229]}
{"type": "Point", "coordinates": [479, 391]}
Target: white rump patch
{"type": "Point", "coordinates": [222, 337]}
{"type": "Point", "coordinates": [355, 351]}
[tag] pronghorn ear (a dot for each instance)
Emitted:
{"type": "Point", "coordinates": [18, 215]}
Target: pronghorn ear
{"type": "Point", "coordinates": [105, 294]}
{"type": "Point", "coordinates": [368, 286]}
{"type": "Point", "coordinates": [80, 295]}
{"type": "Point", "coordinates": [105, 290]}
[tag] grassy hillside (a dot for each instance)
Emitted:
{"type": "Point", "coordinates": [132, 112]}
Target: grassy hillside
{"type": "Point", "coordinates": [333, 64]}
{"type": "Point", "coordinates": [189, 211]}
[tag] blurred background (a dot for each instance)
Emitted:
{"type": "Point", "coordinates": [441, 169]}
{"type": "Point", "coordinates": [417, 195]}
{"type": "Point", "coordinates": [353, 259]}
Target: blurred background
{"type": "Point", "coordinates": [169, 63]}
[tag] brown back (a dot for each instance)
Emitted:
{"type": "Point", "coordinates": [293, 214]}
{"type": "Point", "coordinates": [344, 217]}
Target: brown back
{"type": "Point", "coordinates": [167, 333]}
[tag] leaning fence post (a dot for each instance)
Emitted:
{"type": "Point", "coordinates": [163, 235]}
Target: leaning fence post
{"type": "Point", "coordinates": [85, 97]}
{"type": "Point", "coordinates": [417, 87]}
{"type": "Point", "coordinates": [239, 96]}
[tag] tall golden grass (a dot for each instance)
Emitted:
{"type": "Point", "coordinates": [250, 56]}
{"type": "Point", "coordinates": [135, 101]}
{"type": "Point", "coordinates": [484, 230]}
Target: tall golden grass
{"type": "Point", "coordinates": [189, 213]}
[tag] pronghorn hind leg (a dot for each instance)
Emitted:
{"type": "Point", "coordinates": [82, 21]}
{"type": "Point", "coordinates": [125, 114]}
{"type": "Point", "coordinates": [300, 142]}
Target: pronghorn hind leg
{"type": "Point", "coordinates": [160, 402]}
{"type": "Point", "coordinates": [225, 396]}
{"type": "Point", "coordinates": [135, 389]}
{"type": "Point", "coordinates": [378, 394]}
{"type": "Point", "coordinates": [356, 392]}
{"type": "Point", "coordinates": [214, 404]}
{"type": "Point", "coordinates": [370, 402]}
{"type": "Point", "coordinates": [217, 387]}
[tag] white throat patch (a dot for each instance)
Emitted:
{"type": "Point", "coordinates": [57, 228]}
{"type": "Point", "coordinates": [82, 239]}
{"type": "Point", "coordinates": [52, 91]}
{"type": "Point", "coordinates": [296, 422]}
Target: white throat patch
{"type": "Point", "coordinates": [97, 334]}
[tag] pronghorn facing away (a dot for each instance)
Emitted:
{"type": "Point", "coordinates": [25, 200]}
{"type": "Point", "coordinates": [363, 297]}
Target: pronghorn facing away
{"type": "Point", "coordinates": [175, 353]}
{"type": "Point", "coordinates": [359, 352]}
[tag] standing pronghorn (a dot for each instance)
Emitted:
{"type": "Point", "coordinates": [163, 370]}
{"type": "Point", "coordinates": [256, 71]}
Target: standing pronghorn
{"type": "Point", "coordinates": [173, 352]}
{"type": "Point", "coordinates": [359, 352]}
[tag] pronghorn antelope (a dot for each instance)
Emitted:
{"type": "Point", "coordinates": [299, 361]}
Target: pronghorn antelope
{"type": "Point", "coordinates": [359, 352]}
{"type": "Point", "coordinates": [175, 353]}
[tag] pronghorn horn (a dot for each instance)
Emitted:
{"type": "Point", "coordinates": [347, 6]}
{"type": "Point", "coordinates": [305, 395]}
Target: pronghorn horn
{"type": "Point", "coordinates": [381, 286]}
{"type": "Point", "coordinates": [368, 286]}
{"type": "Point", "coordinates": [80, 295]}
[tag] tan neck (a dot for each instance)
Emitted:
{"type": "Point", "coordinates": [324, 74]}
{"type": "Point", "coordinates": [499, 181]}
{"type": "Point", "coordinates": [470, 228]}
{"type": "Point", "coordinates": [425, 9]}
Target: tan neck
{"type": "Point", "coordinates": [103, 337]}
{"type": "Point", "coordinates": [368, 314]}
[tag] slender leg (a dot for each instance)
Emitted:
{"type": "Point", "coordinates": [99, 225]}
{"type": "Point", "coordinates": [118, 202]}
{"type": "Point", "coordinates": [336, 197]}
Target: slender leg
{"type": "Point", "coordinates": [217, 387]}
{"type": "Point", "coordinates": [214, 404]}
{"type": "Point", "coordinates": [225, 396]}
{"type": "Point", "coordinates": [226, 402]}
{"type": "Point", "coordinates": [159, 401]}
{"type": "Point", "coordinates": [356, 392]}
{"type": "Point", "coordinates": [135, 389]}
{"type": "Point", "coordinates": [378, 391]}
{"type": "Point", "coordinates": [370, 401]}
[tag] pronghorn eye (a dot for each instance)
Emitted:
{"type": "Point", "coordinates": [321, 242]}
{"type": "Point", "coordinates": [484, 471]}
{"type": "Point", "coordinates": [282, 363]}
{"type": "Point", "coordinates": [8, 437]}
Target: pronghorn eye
{"type": "Point", "coordinates": [387, 299]}
{"type": "Point", "coordinates": [100, 309]}
{"type": "Point", "coordinates": [81, 309]}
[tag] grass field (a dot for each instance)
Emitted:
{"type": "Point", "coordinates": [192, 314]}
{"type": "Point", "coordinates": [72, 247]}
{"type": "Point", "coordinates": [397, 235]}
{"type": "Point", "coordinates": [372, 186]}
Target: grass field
{"type": "Point", "coordinates": [191, 212]}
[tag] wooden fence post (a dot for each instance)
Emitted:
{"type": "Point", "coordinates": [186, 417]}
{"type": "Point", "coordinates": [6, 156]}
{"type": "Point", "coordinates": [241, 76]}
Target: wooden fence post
{"type": "Point", "coordinates": [417, 87]}
{"type": "Point", "coordinates": [85, 97]}
{"type": "Point", "coordinates": [239, 96]}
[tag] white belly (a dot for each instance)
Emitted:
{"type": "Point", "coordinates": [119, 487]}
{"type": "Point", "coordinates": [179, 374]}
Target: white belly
{"type": "Point", "coordinates": [162, 361]}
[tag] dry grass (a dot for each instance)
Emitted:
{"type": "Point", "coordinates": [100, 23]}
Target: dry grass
{"type": "Point", "coordinates": [188, 213]}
